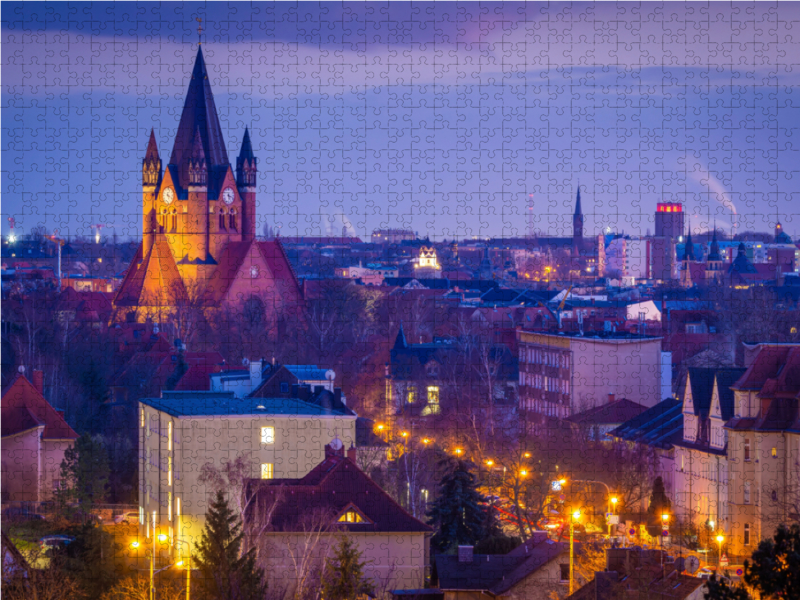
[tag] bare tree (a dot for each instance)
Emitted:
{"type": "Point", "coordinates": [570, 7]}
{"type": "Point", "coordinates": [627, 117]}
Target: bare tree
{"type": "Point", "coordinates": [137, 587]}
{"type": "Point", "coordinates": [23, 582]}
{"type": "Point", "coordinates": [230, 478]}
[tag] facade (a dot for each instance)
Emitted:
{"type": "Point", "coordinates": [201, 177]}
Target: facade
{"type": "Point", "coordinates": [342, 501]}
{"type": "Point", "coordinates": [265, 380]}
{"type": "Point", "coordinates": [392, 236]}
{"type": "Point", "coordinates": [182, 431]}
{"type": "Point", "coordinates": [701, 476]}
{"type": "Point", "coordinates": [34, 439]}
{"type": "Point", "coordinates": [563, 374]}
{"type": "Point", "coordinates": [764, 447]}
{"type": "Point", "coordinates": [670, 219]}
{"type": "Point", "coordinates": [198, 225]}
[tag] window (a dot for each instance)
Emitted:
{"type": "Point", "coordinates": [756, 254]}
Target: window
{"type": "Point", "coordinates": [222, 220]}
{"type": "Point", "coordinates": [174, 221]}
{"type": "Point", "coordinates": [564, 572]}
{"type": "Point", "coordinates": [266, 470]}
{"type": "Point", "coordinates": [774, 453]}
{"type": "Point", "coordinates": [267, 435]}
{"type": "Point", "coordinates": [56, 485]}
{"type": "Point", "coordinates": [169, 506]}
{"type": "Point", "coordinates": [284, 388]}
{"type": "Point", "coordinates": [232, 221]}
{"type": "Point", "coordinates": [411, 394]}
{"type": "Point", "coordinates": [169, 470]}
{"type": "Point", "coordinates": [747, 492]}
{"type": "Point", "coordinates": [747, 448]}
{"type": "Point", "coordinates": [747, 534]}
{"type": "Point", "coordinates": [433, 395]}
{"type": "Point", "coordinates": [774, 495]}
{"type": "Point", "coordinates": [169, 436]}
{"type": "Point", "coordinates": [141, 417]}
{"type": "Point", "coordinates": [178, 506]}
{"type": "Point", "coordinates": [351, 516]}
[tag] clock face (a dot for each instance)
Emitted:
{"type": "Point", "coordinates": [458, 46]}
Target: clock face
{"type": "Point", "coordinates": [227, 196]}
{"type": "Point", "coordinates": [253, 272]}
{"type": "Point", "coordinates": [168, 196]}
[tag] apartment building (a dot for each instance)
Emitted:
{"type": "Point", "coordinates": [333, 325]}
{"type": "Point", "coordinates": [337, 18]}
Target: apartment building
{"type": "Point", "coordinates": [182, 431]}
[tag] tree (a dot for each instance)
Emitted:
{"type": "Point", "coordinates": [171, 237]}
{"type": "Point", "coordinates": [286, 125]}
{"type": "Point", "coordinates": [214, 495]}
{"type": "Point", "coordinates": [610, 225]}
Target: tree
{"type": "Point", "coordinates": [92, 559]}
{"type": "Point", "coordinates": [224, 574]}
{"type": "Point", "coordinates": [659, 502]}
{"type": "Point", "coordinates": [137, 587]}
{"type": "Point", "coordinates": [720, 589]}
{"type": "Point", "coordinates": [344, 575]}
{"type": "Point", "coordinates": [775, 569]}
{"type": "Point", "coordinates": [85, 473]}
{"type": "Point", "coordinates": [459, 513]}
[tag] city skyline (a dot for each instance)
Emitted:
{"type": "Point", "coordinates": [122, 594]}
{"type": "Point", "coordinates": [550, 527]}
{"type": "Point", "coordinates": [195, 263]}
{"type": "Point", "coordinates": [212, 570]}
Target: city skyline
{"type": "Point", "coordinates": [413, 145]}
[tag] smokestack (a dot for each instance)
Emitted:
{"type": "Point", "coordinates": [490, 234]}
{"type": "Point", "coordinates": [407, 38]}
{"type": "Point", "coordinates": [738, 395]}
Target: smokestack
{"type": "Point", "coordinates": [37, 379]}
{"type": "Point", "coordinates": [351, 453]}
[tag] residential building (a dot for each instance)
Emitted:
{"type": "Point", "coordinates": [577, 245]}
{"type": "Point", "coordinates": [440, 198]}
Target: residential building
{"type": "Point", "coordinates": [599, 421]}
{"type": "Point", "coordinates": [534, 570]}
{"type": "Point", "coordinates": [701, 477]}
{"type": "Point", "coordinates": [264, 379]}
{"type": "Point", "coordinates": [337, 499]}
{"type": "Point", "coordinates": [764, 447]}
{"type": "Point", "coordinates": [669, 219]}
{"type": "Point", "coordinates": [34, 439]}
{"type": "Point", "coordinates": [635, 573]}
{"type": "Point", "coordinates": [565, 373]}
{"type": "Point", "coordinates": [392, 236]}
{"type": "Point", "coordinates": [180, 432]}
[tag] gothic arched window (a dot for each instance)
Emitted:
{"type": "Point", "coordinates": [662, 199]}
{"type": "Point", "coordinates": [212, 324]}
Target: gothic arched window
{"type": "Point", "coordinates": [232, 220]}
{"type": "Point", "coordinates": [174, 221]}
{"type": "Point", "coordinates": [222, 219]}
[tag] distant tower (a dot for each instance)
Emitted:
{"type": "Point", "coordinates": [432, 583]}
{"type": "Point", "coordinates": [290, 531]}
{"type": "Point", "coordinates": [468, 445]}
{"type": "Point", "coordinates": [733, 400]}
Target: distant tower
{"type": "Point", "coordinates": [714, 260]}
{"type": "Point", "coordinates": [246, 172]}
{"type": "Point", "coordinates": [781, 237]}
{"type": "Point", "coordinates": [151, 178]}
{"type": "Point", "coordinates": [669, 219]}
{"type": "Point", "coordinates": [688, 257]}
{"type": "Point", "coordinates": [577, 226]}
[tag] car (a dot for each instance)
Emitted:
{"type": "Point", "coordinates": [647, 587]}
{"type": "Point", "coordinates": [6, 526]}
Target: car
{"type": "Point", "coordinates": [50, 542]}
{"type": "Point", "coordinates": [705, 573]}
{"type": "Point", "coordinates": [80, 516]}
{"type": "Point", "coordinates": [20, 513]}
{"type": "Point", "coordinates": [127, 517]}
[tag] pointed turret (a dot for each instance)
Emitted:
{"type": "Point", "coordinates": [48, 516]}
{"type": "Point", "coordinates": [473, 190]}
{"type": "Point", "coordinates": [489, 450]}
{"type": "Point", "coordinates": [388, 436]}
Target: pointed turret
{"type": "Point", "coordinates": [713, 254]}
{"type": "Point", "coordinates": [688, 253]}
{"type": "Point", "coordinates": [577, 226]}
{"type": "Point", "coordinates": [400, 341]}
{"type": "Point", "coordinates": [246, 163]}
{"type": "Point", "coordinates": [199, 114]}
{"type": "Point", "coordinates": [151, 165]}
{"type": "Point", "coordinates": [198, 169]}
{"type": "Point", "coordinates": [578, 211]}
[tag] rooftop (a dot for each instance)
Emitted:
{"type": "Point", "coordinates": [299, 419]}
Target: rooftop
{"type": "Point", "coordinates": [209, 404]}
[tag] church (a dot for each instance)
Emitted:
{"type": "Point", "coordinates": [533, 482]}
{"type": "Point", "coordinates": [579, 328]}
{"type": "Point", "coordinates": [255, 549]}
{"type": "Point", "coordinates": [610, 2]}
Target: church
{"type": "Point", "coordinates": [198, 226]}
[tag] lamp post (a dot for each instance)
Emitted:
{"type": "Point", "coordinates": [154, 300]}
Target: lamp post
{"type": "Point", "coordinates": [664, 522]}
{"type": "Point", "coordinates": [720, 539]}
{"type": "Point", "coordinates": [614, 501]}
{"type": "Point", "coordinates": [574, 517]}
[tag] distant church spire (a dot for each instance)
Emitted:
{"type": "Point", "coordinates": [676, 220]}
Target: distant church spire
{"type": "Point", "coordinates": [688, 253]}
{"type": "Point", "coordinates": [577, 225]}
{"type": "Point", "coordinates": [246, 163]}
{"type": "Point", "coordinates": [151, 165]}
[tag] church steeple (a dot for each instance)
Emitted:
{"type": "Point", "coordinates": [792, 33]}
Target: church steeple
{"type": "Point", "coordinates": [198, 169]}
{"type": "Point", "coordinates": [246, 163]}
{"type": "Point", "coordinates": [688, 253]}
{"type": "Point", "coordinates": [577, 225]}
{"type": "Point", "coordinates": [713, 254]}
{"type": "Point", "coordinates": [199, 114]}
{"type": "Point", "coordinates": [151, 165]}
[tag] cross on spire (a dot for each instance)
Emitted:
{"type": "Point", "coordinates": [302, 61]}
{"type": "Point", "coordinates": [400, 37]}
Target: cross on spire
{"type": "Point", "coordinates": [199, 30]}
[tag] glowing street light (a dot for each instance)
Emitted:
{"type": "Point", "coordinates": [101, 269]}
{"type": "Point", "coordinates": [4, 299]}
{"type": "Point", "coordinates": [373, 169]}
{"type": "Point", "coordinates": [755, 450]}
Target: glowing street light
{"type": "Point", "coordinates": [664, 523]}
{"type": "Point", "coordinates": [490, 462]}
{"type": "Point", "coordinates": [613, 501]}
{"type": "Point", "coordinates": [134, 545]}
{"type": "Point", "coordinates": [575, 516]}
{"type": "Point", "coordinates": [459, 451]}
{"type": "Point", "coordinates": [523, 472]}
{"type": "Point", "coordinates": [720, 539]}
{"type": "Point", "coordinates": [426, 441]}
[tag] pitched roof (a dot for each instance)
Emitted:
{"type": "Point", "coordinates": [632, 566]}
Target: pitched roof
{"type": "Point", "coordinates": [246, 152]}
{"type": "Point", "coordinates": [199, 113]}
{"type": "Point", "coordinates": [769, 364]}
{"type": "Point", "coordinates": [618, 411]}
{"type": "Point", "coordinates": [725, 379]}
{"type": "Point", "coordinates": [659, 426]}
{"type": "Point", "coordinates": [332, 486]}
{"type": "Point", "coordinates": [23, 407]}
{"type": "Point", "coordinates": [148, 279]}
{"type": "Point", "coordinates": [498, 573]}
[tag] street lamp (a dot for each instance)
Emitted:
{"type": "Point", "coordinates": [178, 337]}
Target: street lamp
{"type": "Point", "coordinates": [720, 539]}
{"type": "Point", "coordinates": [574, 517]}
{"type": "Point", "coordinates": [664, 523]}
{"type": "Point", "coordinates": [614, 501]}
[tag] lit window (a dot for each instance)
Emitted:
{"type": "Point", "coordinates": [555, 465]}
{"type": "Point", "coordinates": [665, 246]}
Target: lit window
{"type": "Point", "coordinates": [169, 436]}
{"type": "Point", "coordinates": [747, 492]}
{"type": "Point", "coordinates": [169, 470]}
{"type": "Point", "coordinates": [411, 395]}
{"type": "Point", "coordinates": [746, 448]}
{"type": "Point", "coordinates": [267, 435]}
{"type": "Point", "coordinates": [747, 534]}
{"type": "Point", "coordinates": [141, 514]}
{"type": "Point", "coordinates": [178, 507]}
{"type": "Point", "coordinates": [266, 470]}
{"type": "Point", "coordinates": [169, 506]}
{"type": "Point", "coordinates": [141, 417]}
{"type": "Point", "coordinates": [351, 516]}
{"type": "Point", "coordinates": [774, 453]}
{"type": "Point", "coordinates": [433, 394]}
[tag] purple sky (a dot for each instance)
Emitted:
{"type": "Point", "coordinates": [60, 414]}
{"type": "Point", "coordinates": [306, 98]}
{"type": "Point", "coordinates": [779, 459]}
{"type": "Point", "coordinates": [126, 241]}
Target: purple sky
{"type": "Point", "coordinates": [439, 118]}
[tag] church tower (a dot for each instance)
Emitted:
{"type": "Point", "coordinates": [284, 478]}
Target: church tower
{"type": "Point", "coordinates": [246, 171]}
{"type": "Point", "coordinates": [577, 226]}
{"type": "Point", "coordinates": [151, 178]}
{"type": "Point", "coordinates": [688, 257]}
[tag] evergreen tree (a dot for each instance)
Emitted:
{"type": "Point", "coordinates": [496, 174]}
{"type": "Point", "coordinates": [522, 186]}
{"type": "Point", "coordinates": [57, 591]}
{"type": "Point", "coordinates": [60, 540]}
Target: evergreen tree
{"type": "Point", "coordinates": [459, 513]}
{"type": "Point", "coordinates": [344, 573]}
{"type": "Point", "coordinates": [775, 569]}
{"type": "Point", "coordinates": [84, 473]}
{"type": "Point", "coordinates": [659, 502]}
{"type": "Point", "coordinates": [720, 589]}
{"type": "Point", "coordinates": [224, 575]}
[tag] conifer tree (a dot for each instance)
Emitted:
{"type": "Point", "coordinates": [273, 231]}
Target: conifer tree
{"type": "Point", "coordinates": [659, 501]}
{"type": "Point", "coordinates": [459, 513]}
{"type": "Point", "coordinates": [224, 574]}
{"type": "Point", "coordinates": [344, 573]}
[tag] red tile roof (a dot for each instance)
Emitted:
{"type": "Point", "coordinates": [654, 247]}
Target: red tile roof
{"type": "Point", "coordinates": [147, 278]}
{"type": "Point", "coordinates": [332, 486]}
{"type": "Point", "coordinates": [23, 407]}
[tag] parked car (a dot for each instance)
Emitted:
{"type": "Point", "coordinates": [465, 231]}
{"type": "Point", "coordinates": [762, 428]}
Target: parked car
{"type": "Point", "coordinates": [127, 517]}
{"type": "Point", "coordinates": [80, 516]}
{"type": "Point", "coordinates": [20, 513]}
{"type": "Point", "coordinates": [50, 542]}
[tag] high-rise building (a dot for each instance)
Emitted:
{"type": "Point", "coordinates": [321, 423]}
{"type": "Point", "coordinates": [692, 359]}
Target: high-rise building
{"type": "Point", "coordinates": [669, 219]}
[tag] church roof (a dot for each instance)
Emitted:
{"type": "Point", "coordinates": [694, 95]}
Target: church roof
{"type": "Point", "coordinates": [199, 113]}
{"type": "Point", "coordinates": [578, 211]}
{"type": "Point", "coordinates": [246, 153]}
{"type": "Point", "coordinates": [152, 149]}
{"type": "Point", "coordinates": [24, 407]}
{"type": "Point", "coordinates": [156, 274]}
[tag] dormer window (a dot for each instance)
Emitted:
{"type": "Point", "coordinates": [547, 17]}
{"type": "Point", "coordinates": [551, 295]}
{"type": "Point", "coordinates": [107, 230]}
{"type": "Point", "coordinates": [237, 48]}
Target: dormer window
{"type": "Point", "coordinates": [352, 515]}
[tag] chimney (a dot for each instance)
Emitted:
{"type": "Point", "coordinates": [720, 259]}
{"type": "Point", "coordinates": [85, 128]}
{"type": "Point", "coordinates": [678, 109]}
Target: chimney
{"type": "Point", "coordinates": [37, 379]}
{"type": "Point", "coordinates": [351, 453]}
{"type": "Point", "coordinates": [255, 373]}
{"type": "Point", "coordinates": [611, 398]}
{"type": "Point", "coordinates": [465, 554]}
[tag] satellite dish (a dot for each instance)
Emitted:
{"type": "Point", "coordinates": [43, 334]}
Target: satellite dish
{"type": "Point", "coordinates": [330, 375]}
{"type": "Point", "coordinates": [336, 443]}
{"type": "Point", "coordinates": [245, 361]}
{"type": "Point", "coordinates": [692, 563]}
{"type": "Point", "coordinates": [21, 369]}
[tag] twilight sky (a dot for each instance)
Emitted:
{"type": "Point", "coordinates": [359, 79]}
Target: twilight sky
{"type": "Point", "coordinates": [444, 118]}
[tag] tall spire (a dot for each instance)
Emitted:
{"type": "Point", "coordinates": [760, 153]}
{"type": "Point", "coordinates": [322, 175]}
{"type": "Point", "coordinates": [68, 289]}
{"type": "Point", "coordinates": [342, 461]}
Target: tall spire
{"type": "Point", "coordinates": [688, 253]}
{"type": "Point", "coordinates": [152, 148]}
{"type": "Point", "coordinates": [246, 163]}
{"type": "Point", "coordinates": [151, 165]}
{"type": "Point", "coordinates": [714, 254]}
{"type": "Point", "coordinates": [199, 114]}
{"type": "Point", "coordinates": [578, 211]}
